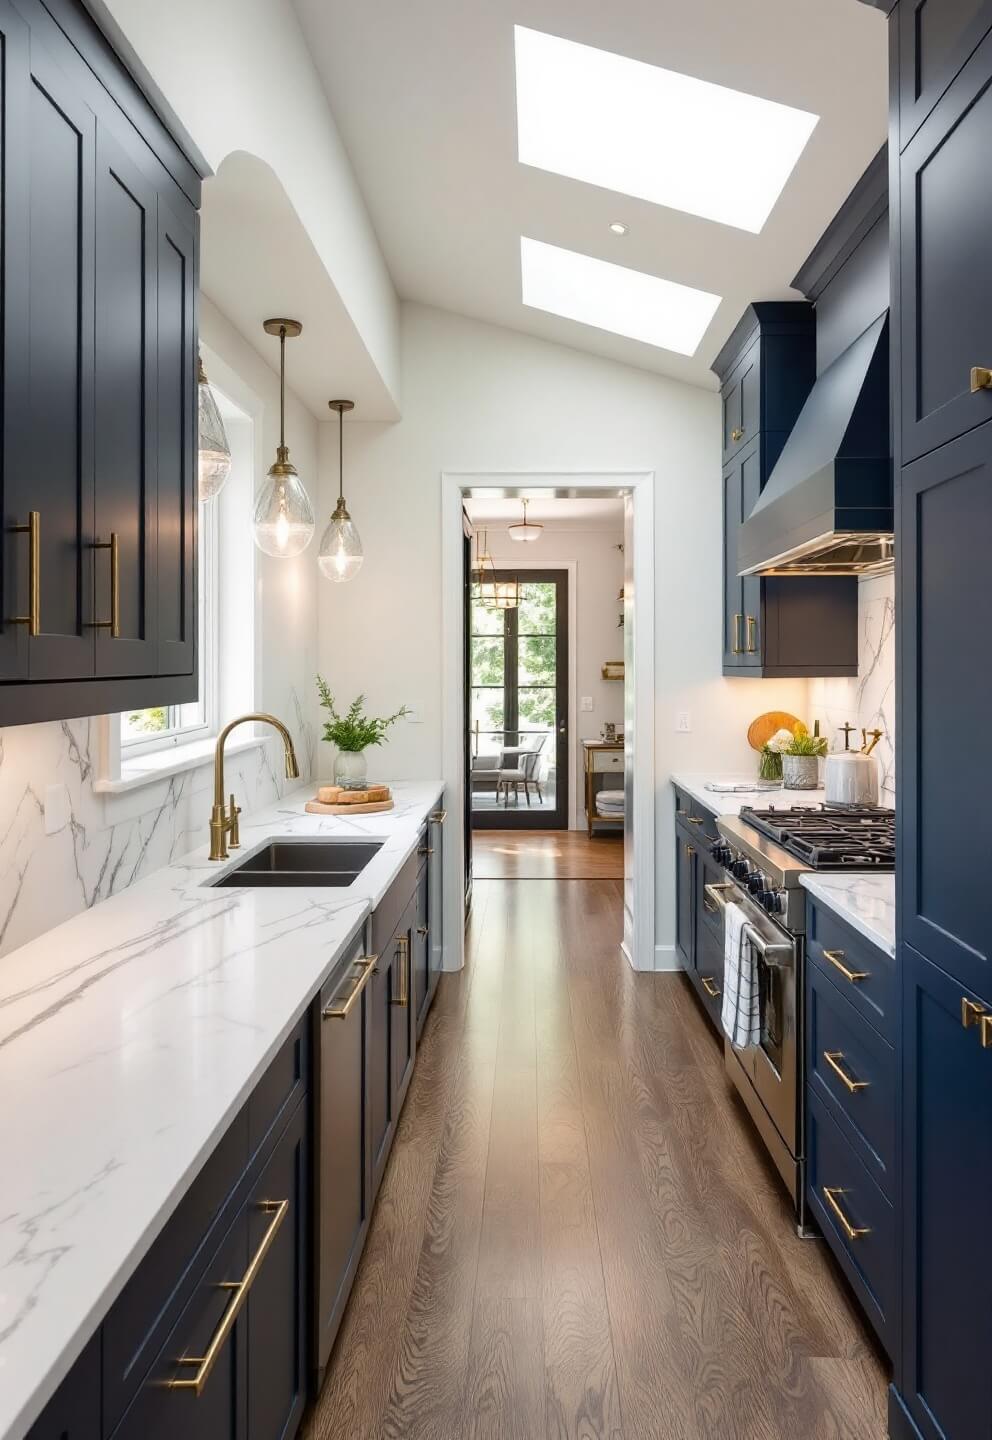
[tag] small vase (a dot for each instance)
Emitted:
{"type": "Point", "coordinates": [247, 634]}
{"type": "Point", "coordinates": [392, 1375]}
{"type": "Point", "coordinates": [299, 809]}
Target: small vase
{"type": "Point", "coordinates": [349, 766]}
{"type": "Point", "coordinates": [770, 765]}
{"type": "Point", "coordinates": [800, 772]}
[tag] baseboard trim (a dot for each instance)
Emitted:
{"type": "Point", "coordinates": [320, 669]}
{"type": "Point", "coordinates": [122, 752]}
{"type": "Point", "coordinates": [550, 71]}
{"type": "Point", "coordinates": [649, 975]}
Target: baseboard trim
{"type": "Point", "coordinates": [666, 958]}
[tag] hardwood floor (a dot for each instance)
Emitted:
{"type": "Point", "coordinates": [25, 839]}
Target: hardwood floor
{"type": "Point", "coordinates": [546, 855]}
{"type": "Point", "coordinates": [578, 1235]}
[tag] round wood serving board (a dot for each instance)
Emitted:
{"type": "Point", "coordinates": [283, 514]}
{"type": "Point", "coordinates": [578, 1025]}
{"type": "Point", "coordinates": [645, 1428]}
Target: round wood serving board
{"type": "Point", "coordinates": [315, 807]}
{"type": "Point", "coordinates": [761, 730]}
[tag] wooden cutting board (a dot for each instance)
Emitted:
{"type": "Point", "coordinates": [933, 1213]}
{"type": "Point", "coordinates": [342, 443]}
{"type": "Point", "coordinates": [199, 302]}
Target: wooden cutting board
{"type": "Point", "coordinates": [316, 807]}
{"type": "Point", "coordinates": [761, 730]}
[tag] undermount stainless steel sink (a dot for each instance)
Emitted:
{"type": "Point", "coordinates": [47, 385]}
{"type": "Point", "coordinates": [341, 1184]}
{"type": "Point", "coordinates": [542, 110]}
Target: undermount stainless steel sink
{"type": "Point", "coordinates": [283, 863]}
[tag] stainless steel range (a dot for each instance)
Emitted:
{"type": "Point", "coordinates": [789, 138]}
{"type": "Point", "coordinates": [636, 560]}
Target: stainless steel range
{"type": "Point", "coordinates": [763, 854]}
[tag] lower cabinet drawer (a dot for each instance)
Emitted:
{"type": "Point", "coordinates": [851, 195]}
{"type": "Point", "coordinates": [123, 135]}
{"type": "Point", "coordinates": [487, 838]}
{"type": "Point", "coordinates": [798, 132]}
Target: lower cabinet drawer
{"type": "Point", "coordinates": [864, 974]}
{"type": "Point", "coordinates": [858, 1222]}
{"type": "Point", "coordinates": [607, 761]}
{"type": "Point", "coordinates": [852, 1070]}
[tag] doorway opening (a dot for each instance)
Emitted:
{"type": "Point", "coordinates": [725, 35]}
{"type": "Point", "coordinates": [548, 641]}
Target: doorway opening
{"type": "Point", "coordinates": [549, 687]}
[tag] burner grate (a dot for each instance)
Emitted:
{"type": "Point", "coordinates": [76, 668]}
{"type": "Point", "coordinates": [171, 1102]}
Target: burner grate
{"type": "Point", "coordinates": [858, 839]}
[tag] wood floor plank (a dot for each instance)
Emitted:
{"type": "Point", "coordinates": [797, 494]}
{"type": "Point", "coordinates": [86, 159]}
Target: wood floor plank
{"type": "Point", "coordinates": [546, 855]}
{"type": "Point", "coordinates": [505, 1398]}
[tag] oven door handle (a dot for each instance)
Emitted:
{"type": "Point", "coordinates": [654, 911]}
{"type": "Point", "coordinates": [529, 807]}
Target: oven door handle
{"type": "Point", "coordinates": [779, 954]}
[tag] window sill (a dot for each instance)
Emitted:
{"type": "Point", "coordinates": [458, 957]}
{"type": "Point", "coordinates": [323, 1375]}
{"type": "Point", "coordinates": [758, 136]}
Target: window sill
{"type": "Point", "coordinates": [160, 764]}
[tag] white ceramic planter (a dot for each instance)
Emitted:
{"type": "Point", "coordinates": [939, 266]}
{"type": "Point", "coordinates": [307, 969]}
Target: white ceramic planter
{"type": "Point", "coordinates": [350, 765]}
{"type": "Point", "coordinates": [800, 772]}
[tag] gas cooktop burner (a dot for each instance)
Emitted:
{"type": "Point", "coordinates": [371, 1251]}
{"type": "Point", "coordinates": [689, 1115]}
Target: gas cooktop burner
{"type": "Point", "coordinates": [860, 838]}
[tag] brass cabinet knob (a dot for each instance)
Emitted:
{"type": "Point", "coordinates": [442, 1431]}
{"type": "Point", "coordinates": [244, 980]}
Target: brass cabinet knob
{"type": "Point", "coordinates": [971, 1012]}
{"type": "Point", "coordinates": [738, 432]}
{"type": "Point", "coordinates": [981, 378]}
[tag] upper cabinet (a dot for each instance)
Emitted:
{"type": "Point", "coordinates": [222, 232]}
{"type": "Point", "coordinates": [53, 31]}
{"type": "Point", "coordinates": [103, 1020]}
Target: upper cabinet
{"type": "Point", "coordinates": [935, 38]}
{"type": "Point", "coordinates": [775, 627]}
{"type": "Point", "coordinates": [99, 381]}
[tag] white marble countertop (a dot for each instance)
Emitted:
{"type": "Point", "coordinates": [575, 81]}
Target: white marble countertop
{"type": "Point", "coordinates": [730, 804]}
{"type": "Point", "coordinates": [867, 902]}
{"type": "Point", "coordinates": [130, 1036]}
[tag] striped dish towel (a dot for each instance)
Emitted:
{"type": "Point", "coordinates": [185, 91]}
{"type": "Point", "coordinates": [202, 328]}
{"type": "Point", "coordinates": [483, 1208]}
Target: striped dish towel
{"type": "Point", "coordinates": [741, 1011]}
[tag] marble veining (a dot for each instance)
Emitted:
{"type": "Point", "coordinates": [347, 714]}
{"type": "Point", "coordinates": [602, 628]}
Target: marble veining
{"type": "Point", "coordinates": [867, 902]}
{"type": "Point", "coordinates": [129, 1038]}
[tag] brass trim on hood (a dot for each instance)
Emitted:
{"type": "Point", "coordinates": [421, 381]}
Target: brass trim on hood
{"type": "Point", "coordinates": [851, 552]}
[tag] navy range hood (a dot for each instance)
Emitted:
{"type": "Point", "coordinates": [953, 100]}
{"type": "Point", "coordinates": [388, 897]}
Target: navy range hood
{"type": "Point", "coordinates": [827, 506]}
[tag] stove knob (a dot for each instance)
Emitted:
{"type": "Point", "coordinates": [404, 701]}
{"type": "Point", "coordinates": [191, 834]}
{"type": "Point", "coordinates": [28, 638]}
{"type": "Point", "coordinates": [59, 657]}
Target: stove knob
{"type": "Point", "coordinates": [756, 882]}
{"type": "Point", "coordinates": [740, 868]}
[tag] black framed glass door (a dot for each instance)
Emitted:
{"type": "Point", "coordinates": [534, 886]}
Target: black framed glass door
{"type": "Point", "coordinates": [518, 702]}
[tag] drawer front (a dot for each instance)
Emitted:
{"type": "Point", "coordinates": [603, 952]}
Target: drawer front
{"type": "Point", "coordinates": [852, 1070]}
{"type": "Point", "coordinates": [218, 1412]}
{"type": "Point", "coordinates": [607, 761]}
{"type": "Point", "coordinates": [861, 1230]}
{"type": "Point", "coordinates": [281, 1088]}
{"type": "Point", "coordinates": [708, 974]}
{"type": "Point", "coordinates": [864, 974]}
{"type": "Point", "coordinates": [708, 913]}
{"type": "Point", "coordinates": [935, 39]}
{"type": "Point", "coordinates": [387, 914]}
{"type": "Point", "coordinates": [696, 820]}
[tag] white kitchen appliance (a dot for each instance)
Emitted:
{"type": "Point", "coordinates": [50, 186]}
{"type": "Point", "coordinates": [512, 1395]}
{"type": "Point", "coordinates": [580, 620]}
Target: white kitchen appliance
{"type": "Point", "coordinates": [850, 777]}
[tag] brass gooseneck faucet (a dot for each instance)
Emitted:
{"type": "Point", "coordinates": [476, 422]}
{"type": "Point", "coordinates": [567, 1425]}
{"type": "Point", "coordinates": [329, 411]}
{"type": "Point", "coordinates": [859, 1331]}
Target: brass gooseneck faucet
{"type": "Point", "coordinates": [224, 818]}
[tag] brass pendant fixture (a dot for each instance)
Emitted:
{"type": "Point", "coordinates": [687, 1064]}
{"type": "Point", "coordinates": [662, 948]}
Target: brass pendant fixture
{"type": "Point", "coordinates": [341, 554]}
{"type": "Point", "coordinates": [283, 522]}
{"type": "Point", "coordinates": [494, 594]}
{"type": "Point", "coordinates": [526, 530]}
{"type": "Point", "coordinates": [213, 450]}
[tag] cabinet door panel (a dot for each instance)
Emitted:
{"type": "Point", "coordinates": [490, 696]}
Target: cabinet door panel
{"type": "Point", "coordinates": [935, 39]}
{"type": "Point", "coordinates": [74, 1412]}
{"type": "Point", "coordinates": [946, 283]}
{"type": "Point", "coordinates": [751, 585]}
{"type": "Point", "coordinates": [435, 917]}
{"type": "Point", "coordinates": [404, 1030]}
{"type": "Point", "coordinates": [947, 1110]}
{"type": "Point", "coordinates": [733, 603]}
{"type": "Point", "coordinates": [276, 1310]}
{"type": "Point", "coordinates": [422, 947]}
{"type": "Point", "coordinates": [685, 891]}
{"type": "Point", "coordinates": [126, 264]}
{"type": "Point", "coordinates": [382, 1116]}
{"type": "Point", "coordinates": [176, 444]}
{"type": "Point", "coordinates": [944, 604]}
{"type": "Point", "coordinates": [57, 465]}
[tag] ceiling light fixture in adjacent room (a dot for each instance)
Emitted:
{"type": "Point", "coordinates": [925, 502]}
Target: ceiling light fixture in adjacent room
{"type": "Point", "coordinates": [653, 133]}
{"type": "Point", "coordinates": [283, 521]}
{"type": "Point", "coordinates": [614, 297]}
{"type": "Point", "coordinates": [341, 553]}
{"type": "Point", "coordinates": [526, 530]}
{"type": "Point", "coordinates": [485, 571]}
{"type": "Point", "coordinates": [213, 450]}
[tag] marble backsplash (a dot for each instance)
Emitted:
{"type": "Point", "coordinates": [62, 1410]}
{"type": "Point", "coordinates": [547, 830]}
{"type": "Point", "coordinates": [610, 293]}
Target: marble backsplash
{"type": "Point", "coordinates": [869, 701]}
{"type": "Point", "coordinates": [109, 841]}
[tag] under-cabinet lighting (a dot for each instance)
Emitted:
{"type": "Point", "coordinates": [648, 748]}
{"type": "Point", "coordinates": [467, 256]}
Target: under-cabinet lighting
{"type": "Point", "coordinates": [613, 297]}
{"type": "Point", "coordinates": [652, 133]}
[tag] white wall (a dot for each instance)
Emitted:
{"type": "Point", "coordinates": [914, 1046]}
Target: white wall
{"type": "Point", "coordinates": [110, 841]}
{"type": "Point", "coordinates": [478, 397]}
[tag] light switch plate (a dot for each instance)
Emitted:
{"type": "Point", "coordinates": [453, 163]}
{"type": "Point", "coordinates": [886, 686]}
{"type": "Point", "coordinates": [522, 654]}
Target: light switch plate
{"type": "Point", "coordinates": [586, 702]}
{"type": "Point", "coordinates": [683, 722]}
{"type": "Point", "coordinates": [414, 717]}
{"type": "Point", "coordinates": [57, 809]}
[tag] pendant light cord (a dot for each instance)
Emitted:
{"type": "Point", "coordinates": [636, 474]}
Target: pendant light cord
{"type": "Point", "coordinates": [340, 454]}
{"type": "Point", "coordinates": [282, 387]}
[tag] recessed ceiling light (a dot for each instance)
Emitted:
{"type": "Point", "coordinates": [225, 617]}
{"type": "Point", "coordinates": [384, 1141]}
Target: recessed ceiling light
{"type": "Point", "coordinates": [618, 227]}
{"type": "Point", "coordinates": [653, 133]}
{"type": "Point", "coordinates": [613, 297]}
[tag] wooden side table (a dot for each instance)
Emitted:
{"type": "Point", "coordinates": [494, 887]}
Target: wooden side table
{"type": "Point", "coordinates": [603, 763]}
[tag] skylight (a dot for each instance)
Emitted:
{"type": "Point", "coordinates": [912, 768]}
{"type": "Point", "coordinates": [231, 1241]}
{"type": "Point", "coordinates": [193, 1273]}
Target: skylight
{"type": "Point", "coordinates": [613, 297]}
{"type": "Point", "coordinates": [653, 133]}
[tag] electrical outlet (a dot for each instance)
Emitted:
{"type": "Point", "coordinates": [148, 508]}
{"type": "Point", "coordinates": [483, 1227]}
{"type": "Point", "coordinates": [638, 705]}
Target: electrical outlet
{"type": "Point", "coordinates": [586, 702]}
{"type": "Point", "coordinates": [57, 809]}
{"type": "Point", "coordinates": [683, 722]}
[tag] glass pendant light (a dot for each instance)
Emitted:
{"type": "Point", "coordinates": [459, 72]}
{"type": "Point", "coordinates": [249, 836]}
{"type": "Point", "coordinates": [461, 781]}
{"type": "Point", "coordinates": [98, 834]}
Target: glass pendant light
{"type": "Point", "coordinates": [284, 522]}
{"type": "Point", "coordinates": [214, 453]}
{"type": "Point", "coordinates": [527, 530]}
{"type": "Point", "coordinates": [340, 555]}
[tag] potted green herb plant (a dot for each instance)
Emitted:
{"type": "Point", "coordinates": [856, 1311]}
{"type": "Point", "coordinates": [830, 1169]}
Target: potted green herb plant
{"type": "Point", "coordinates": [353, 733]}
{"type": "Point", "coordinates": [800, 762]}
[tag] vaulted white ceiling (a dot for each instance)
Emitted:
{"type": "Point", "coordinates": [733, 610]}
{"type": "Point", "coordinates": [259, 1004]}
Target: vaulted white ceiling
{"type": "Point", "coordinates": [423, 95]}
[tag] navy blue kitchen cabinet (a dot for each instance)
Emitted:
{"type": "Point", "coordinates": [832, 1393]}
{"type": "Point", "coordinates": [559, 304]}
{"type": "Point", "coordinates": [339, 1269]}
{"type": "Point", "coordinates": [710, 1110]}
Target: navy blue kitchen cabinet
{"type": "Point", "coordinates": [773, 627]}
{"type": "Point", "coordinates": [698, 925]}
{"type": "Point", "coordinates": [945, 1380]}
{"type": "Point", "coordinates": [935, 38]}
{"type": "Point", "coordinates": [74, 1414]}
{"type": "Point", "coordinates": [97, 564]}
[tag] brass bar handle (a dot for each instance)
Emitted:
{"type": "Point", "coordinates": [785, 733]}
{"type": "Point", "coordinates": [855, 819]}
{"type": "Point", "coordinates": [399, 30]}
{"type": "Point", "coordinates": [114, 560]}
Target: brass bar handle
{"type": "Point", "coordinates": [696, 820]}
{"type": "Point", "coordinates": [333, 1011]}
{"type": "Point", "coordinates": [971, 1013]}
{"type": "Point", "coordinates": [836, 958]}
{"type": "Point", "coordinates": [981, 378]}
{"type": "Point", "coordinates": [737, 433]}
{"type": "Point", "coordinates": [853, 1232]}
{"type": "Point", "coordinates": [833, 1059]}
{"type": "Point", "coordinates": [403, 999]}
{"type": "Point", "coordinates": [205, 1363]}
{"type": "Point", "coordinates": [33, 531]}
{"type": "Point", "coordinates": [114, 623]}
{"type": "Point", "coordinates": [752, 635]}
{"type": "Point", "coordinates": [710, 986]}
{"type": "Point", "coordinates": [738, 649]}
{"type": "Point", "coordinates": [987, 1032]}
{"type": "Point", "coordinates": [687, 848]}
{"type": "Point", "coordinates": [439, 817]}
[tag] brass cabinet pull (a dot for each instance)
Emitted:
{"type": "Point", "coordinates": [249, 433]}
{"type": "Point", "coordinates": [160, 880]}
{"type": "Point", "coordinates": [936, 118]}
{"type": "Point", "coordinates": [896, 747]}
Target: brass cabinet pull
{"type": "Point", "coordinates": [366, 966]}
{"type": "Point", "coordinates": [853, 1232]}
{"type": "Point", "coordinates": [439, 817]}
{"type": "Point", "coordinates": [971, 1012]}
{"type": "Point", "coordinates": [423, 931]}
{"type": "Point", "coordinates": [836, 958]}
{"type": "Point", "coordinates": [737, 433]}
{"type": "Point", "coordinates": [752, 635]}
{"type": "Point", "coordinates": [403, 999]}
{"type": "Point", "coordinates": [696, 820]}
{"type": "Point", "coordinates": [114, 623]}
{"type": "Point", "coordinates": [425, 850]}
{"type": "Point", "coordinates": [738, 650]}
{"type": "Point", "coordinates": [205, 1363]}
{"type": "Point", "coordinates": [981, 378]}
{"type": "Point", "coordinates": [682, 813]}
{"type": "Point", "coordinates": [987, 1032]}
{"type": "Point", "coordinates": [710, 986]}
{"type": "Point", "coordinates": [688, 850]}
{"type": "Point", "coordinates": [833, 1059]}
{"type": "Point", "coordinates": [33, 531]}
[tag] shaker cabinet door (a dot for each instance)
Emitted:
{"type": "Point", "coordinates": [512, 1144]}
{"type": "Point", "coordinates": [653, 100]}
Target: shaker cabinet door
{"type": "Point", "coordinates": [686, 865]}
{"type": "Point", "coordinates": [935, 39]}
{"type": "Point", "coordinates": [125, 547]}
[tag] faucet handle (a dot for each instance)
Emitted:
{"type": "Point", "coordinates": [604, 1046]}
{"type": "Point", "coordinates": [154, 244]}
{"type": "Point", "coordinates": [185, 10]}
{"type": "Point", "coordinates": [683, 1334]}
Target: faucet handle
{"type": "Point", "coordinates": [234, 837]}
